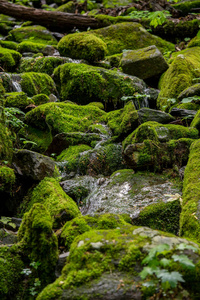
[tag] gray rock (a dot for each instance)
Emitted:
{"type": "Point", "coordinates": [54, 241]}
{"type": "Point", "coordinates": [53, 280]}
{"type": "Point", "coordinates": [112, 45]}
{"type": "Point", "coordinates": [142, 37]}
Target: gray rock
{"type": "Point", "coordinates": [61, 262]}
{"type": "Point", "coordinates": [143, 63]}
{"type": "Point", "coordinates": [182, 113]}
{"type": "Point", "coordinates": [33, 165]}
{"type": "Point", "coordinates": [193, 90]}
{"type": "Point", "coordinates": [147, 114]}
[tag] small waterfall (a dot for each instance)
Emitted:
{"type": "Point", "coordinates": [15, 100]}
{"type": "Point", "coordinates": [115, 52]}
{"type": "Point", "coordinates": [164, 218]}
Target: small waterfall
{"type": "Point", "coordinates": [15, 79]}
{"type": "Point", "coordinates": [12, 82]}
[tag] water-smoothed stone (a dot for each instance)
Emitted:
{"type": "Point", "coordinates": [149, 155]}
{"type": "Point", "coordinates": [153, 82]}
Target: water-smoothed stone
{"type": "Point", "coordinates": [33, 165]}
{"type": "Point", "coordinates": [143, 63]}
{"type": "Point", "coordinates": [88, 270]}
{"type": "Point", "coordinates": [147, 114]}
{"type": "Point", "coordinates": [7, 237]}
{"type": "Point", "coordinates": [127, 192]}
{"type": "Point", "coordinates": [193, 90]}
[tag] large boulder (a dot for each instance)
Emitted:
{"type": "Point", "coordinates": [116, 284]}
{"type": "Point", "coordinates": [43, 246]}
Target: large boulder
{"type": "Point", "coordinates": [9, 59]}
{"type": "Point", "coordinates": [143, 63]}
{"type": "Point", "coordinates": [33, 165]}
{"type": "Point", "coordinates": [180, 75]}
{"type": "Point", "coordinates": [117, 264]}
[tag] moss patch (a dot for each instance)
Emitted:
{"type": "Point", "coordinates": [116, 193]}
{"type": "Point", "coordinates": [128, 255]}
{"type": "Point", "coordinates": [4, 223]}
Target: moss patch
{"type": "Point", "coordinates": [7, 178]}
{"type": "Point", "coordinates": [9, 59]}
{"type": "Point", "coordinates": [17, 99]}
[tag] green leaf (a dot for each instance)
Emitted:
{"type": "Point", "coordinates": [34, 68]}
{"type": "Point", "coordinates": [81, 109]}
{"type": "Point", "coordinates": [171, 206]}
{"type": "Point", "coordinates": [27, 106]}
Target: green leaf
{"type": "Point", "coordinates": [152, 253]}
{"type": "Point", "coordinates": [171, 277]}
{"type": "Point", "coordinates": [198, 34]}
{"type": "Point", "coordinates": [164, 262]}
{"type": "Point", "coordinates": [184, 261]}
{"type": "Point", "coordinates": [184, 246]}
{"type": "Point", "coordinates": [146, 271]}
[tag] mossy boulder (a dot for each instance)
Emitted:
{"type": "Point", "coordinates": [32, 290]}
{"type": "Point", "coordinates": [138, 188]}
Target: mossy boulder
{"type": "Point", "coordinates": [80, 225]}
{"type": "Point", "coordinates": [35, 34]}
{"type": "Point", "coordinates": [146, 114]}
{"type": "Point", "coordinates": [9, 59]}
{"type": "Point", "coordinates": [68, 7]}
{"type": "Point", "coordinates": [59, 205]}
{"type": "Point", "coordinates": [180, 75]}
{"type": "Point", "coordinates": [7, 179]}
{"type": "Point", "coordinates": [83, 84]}
{"type": "Point", "coordinates": [122, 121]}
{"type": "Point", "coordinates": [38, 242]}
{"type": "Point", "coordinates": [160, 133]}
{"type": "Point", "coordinates": [189, 221]}
{"type": "Point", "coordinates": [187, 6]}
{"type": "Point", "coordinates": [82, 45]}
{"type": "Point", "coordinates": [6, 145]}
{"type": "Point", "coordinates": [33, 83]}
{"type": "Point", "coordinates": [40, 64]}
{"type": "Point", "coordinates": [40, 99]}
{"type": "Point", "coordinates": [11, 266]}
{"type": "Point", "coordinates": [195, 42]}
{"type": "Point", "coordinates": [18, 100]}
{"type": "Point", "coordinates": [163, 216]}
{"type": "Point", "coordinates": [144, 63]}
{"type": "Point", "coordinates": [128, 36]}
{"type": "Point", "coordinates": [107, 264]}
{"type": "Point", "coordinates": [192, 91]}
{"type": "Point", "coordinates": [8, 45]}
{"type": "Point", "coordinates": [28, 46]}
{"type": "Point", "coordinates": [47, 120]}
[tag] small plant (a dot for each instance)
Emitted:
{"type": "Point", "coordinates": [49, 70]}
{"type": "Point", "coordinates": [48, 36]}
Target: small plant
{"type": "Point", "coordinates": [156, 18]}
{"type": "Point", "coordinates": [32, 282]}
{"type": "Point", "coordinates": [156, 272]}
{"type": "Point", "coordinates": [194, 99]}
{"type": "Point", "coordinates": [7, 221]}
{"type": "Point", "coordinates": [12, 121]}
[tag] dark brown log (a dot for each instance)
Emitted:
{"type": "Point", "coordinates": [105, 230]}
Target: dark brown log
{"type": "Point", "coordinates": [51, 19]}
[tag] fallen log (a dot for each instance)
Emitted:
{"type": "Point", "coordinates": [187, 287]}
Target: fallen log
{"type": "Point", "coordinates": [51, 19]}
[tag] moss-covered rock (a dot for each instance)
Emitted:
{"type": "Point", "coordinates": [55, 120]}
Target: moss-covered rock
{"type": "Point", "coordinates": [160, 133]}
{"type": "Point", "coordinates": [50, 119]}
{"type": "Point", "coordinates": [68, 7]}
{"type": "Point", "coordinates": [71, 154]}
{"type": "Point", "coordinates": [11, 266]}
{"type": "Point", "coordinates": [6, 145]}
{"type": "Point", "coordinates": [17, 99]}
{"type": "Point", "coordinates": [184, 68]}
{"type": "Point", "coordinates": [123, 121]}
{"type": "Point", "coordinates": [196, 121]}
{"type": "Point", "coordinates": [28, 46]}
{"type": "Point", "coordinates": [41, 64]}
{"type": "Point", "coordinates": [8, 45]}
{"type": "Point", "coordinates": [190, 216]}
{"type": "Point", "coordinates": [7, 179]}
{"type": "Point", "coordinates": [9, 59]}
{"type": "Point", "coordinates": [193, 90]}
{"type": "Point", "coordinates": [33, 83]}
{"type": "Point", "coordinates": [59, 205]}
{"type": "Point", "coordinates": [186, 6]}
{"type": "Point", "coordinates": [38, 242]}
{"type": "Point", "coordinates": [40, 99]}
{"type": "Point", "coordinates": [161, 216]}
{"type": "Point", "coordinates": [82, 45]}
{"type": "Point", "coordinates": [106, 264]}
{"type": "Point", "coordinates": [83, 84]}
{"type": "Point", "coordinates": [35, 34]}
{"type": "Point", "coordinates": [80, 225]}
{"type": "Point", "coordinates": [126, 36]}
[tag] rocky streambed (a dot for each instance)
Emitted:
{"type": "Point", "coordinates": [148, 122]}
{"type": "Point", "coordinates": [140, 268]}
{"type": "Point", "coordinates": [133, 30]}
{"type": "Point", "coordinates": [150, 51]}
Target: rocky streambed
{"type": "Point", "coordinates": [99, 158]}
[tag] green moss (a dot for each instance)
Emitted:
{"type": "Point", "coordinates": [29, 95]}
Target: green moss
{"type": "Point", "coordinates": [114, 60]}
{"type": "Point", "coordinates": [184, 68]}
{"type": "Point", "coordinates": [189, 106]}
{"type": "Point", "coordinates": [8, 45]}
{"type": "Point", "coordinates": [28, 46]}
{"type": "Point", "coordinates": [9, 59]}
{"type": "Point", "coordinates": [82, 45]}
{"type": "Point", "coordinates": [161, 216]}
{"type": "Point", "coordinates": [7, 178]}
{"type": "Point", "coordinates": [68, 7]}
{"type": "Point", "coordinates": [40, 99]}
{"type": "Point", "coordinates": [40, 64]}
{"type": "Point", "coordinates": [38, 242]}
{"type": "Point", "coordinates": [187, 6]}
{"type": "Point", "coordinates": [189, 222]}
{"type": "Point", "coordinates": [59, 205]}
{"type": "Point", "coordinates": [86, 223]}
{"type": "Point", "coordinates": [70, 154]}
{"type": "Point", "coordinates": [11, 266]}
{"type": "Point", "coordinates": [37, 83]}
{"type": "Point", "coordinates": [96, 104]}
{"type": "Point", "coordinates": [17, 99]}
{"type": "Point", "coordinates": [84, 84]}
{"type": "Point", "coordinates": [6, 145]}
{"type": "Point", "coordinates": [196, 121]}
{"type": "Point", "coordinates": [123, 121]}
{"type": "Point", "coordinates": [159, 133]}
{"type": "Point", "coordinates": [35, 34]}
{"type": "Point", "coordinates": [114, 3]}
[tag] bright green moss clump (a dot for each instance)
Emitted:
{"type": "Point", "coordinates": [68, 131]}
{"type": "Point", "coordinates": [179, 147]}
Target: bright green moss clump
{"type": "Point", "coordinates": [9, 59]}
{"type": "Point", "coordinates": [59, 205]}
{"type": "Point", "coordinates": [7, 178]}
{"type": "Point", "coordinates": [72, 152]}
{"type": "Point", "coordinates": [6, 146]}
{"type": "Point", "coordinates": [186, 6]}
{"type": "Point", "coordinates": [86, 223]}
{"type": "Point", "coordinates": [8, 45]}
{"type": "Point", "coordinates": [40, 64]}
{"type": "Point", "coordinates": [28, 46]}
{"type": "Point", "coordinates": [11, 266]}
{"type": "Point", "coordinates": [184, 68]}
{"type": "Point", "coordinates": [35, 34]}
{"type": "Point", "coordinates": [82, 45]}
{"type": "Point", "coordinates": [40, 99]}
{"type": "Point", "coordinates": [190, 220]}
{"type": "Point", "coordinates": [37, 83]}
{"type": "Point", "coordinates": [38, 242]}
{"type": "Point", "coordinates": [17, 99]}
{"type": "Point", "coordinates": [83, 84]}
